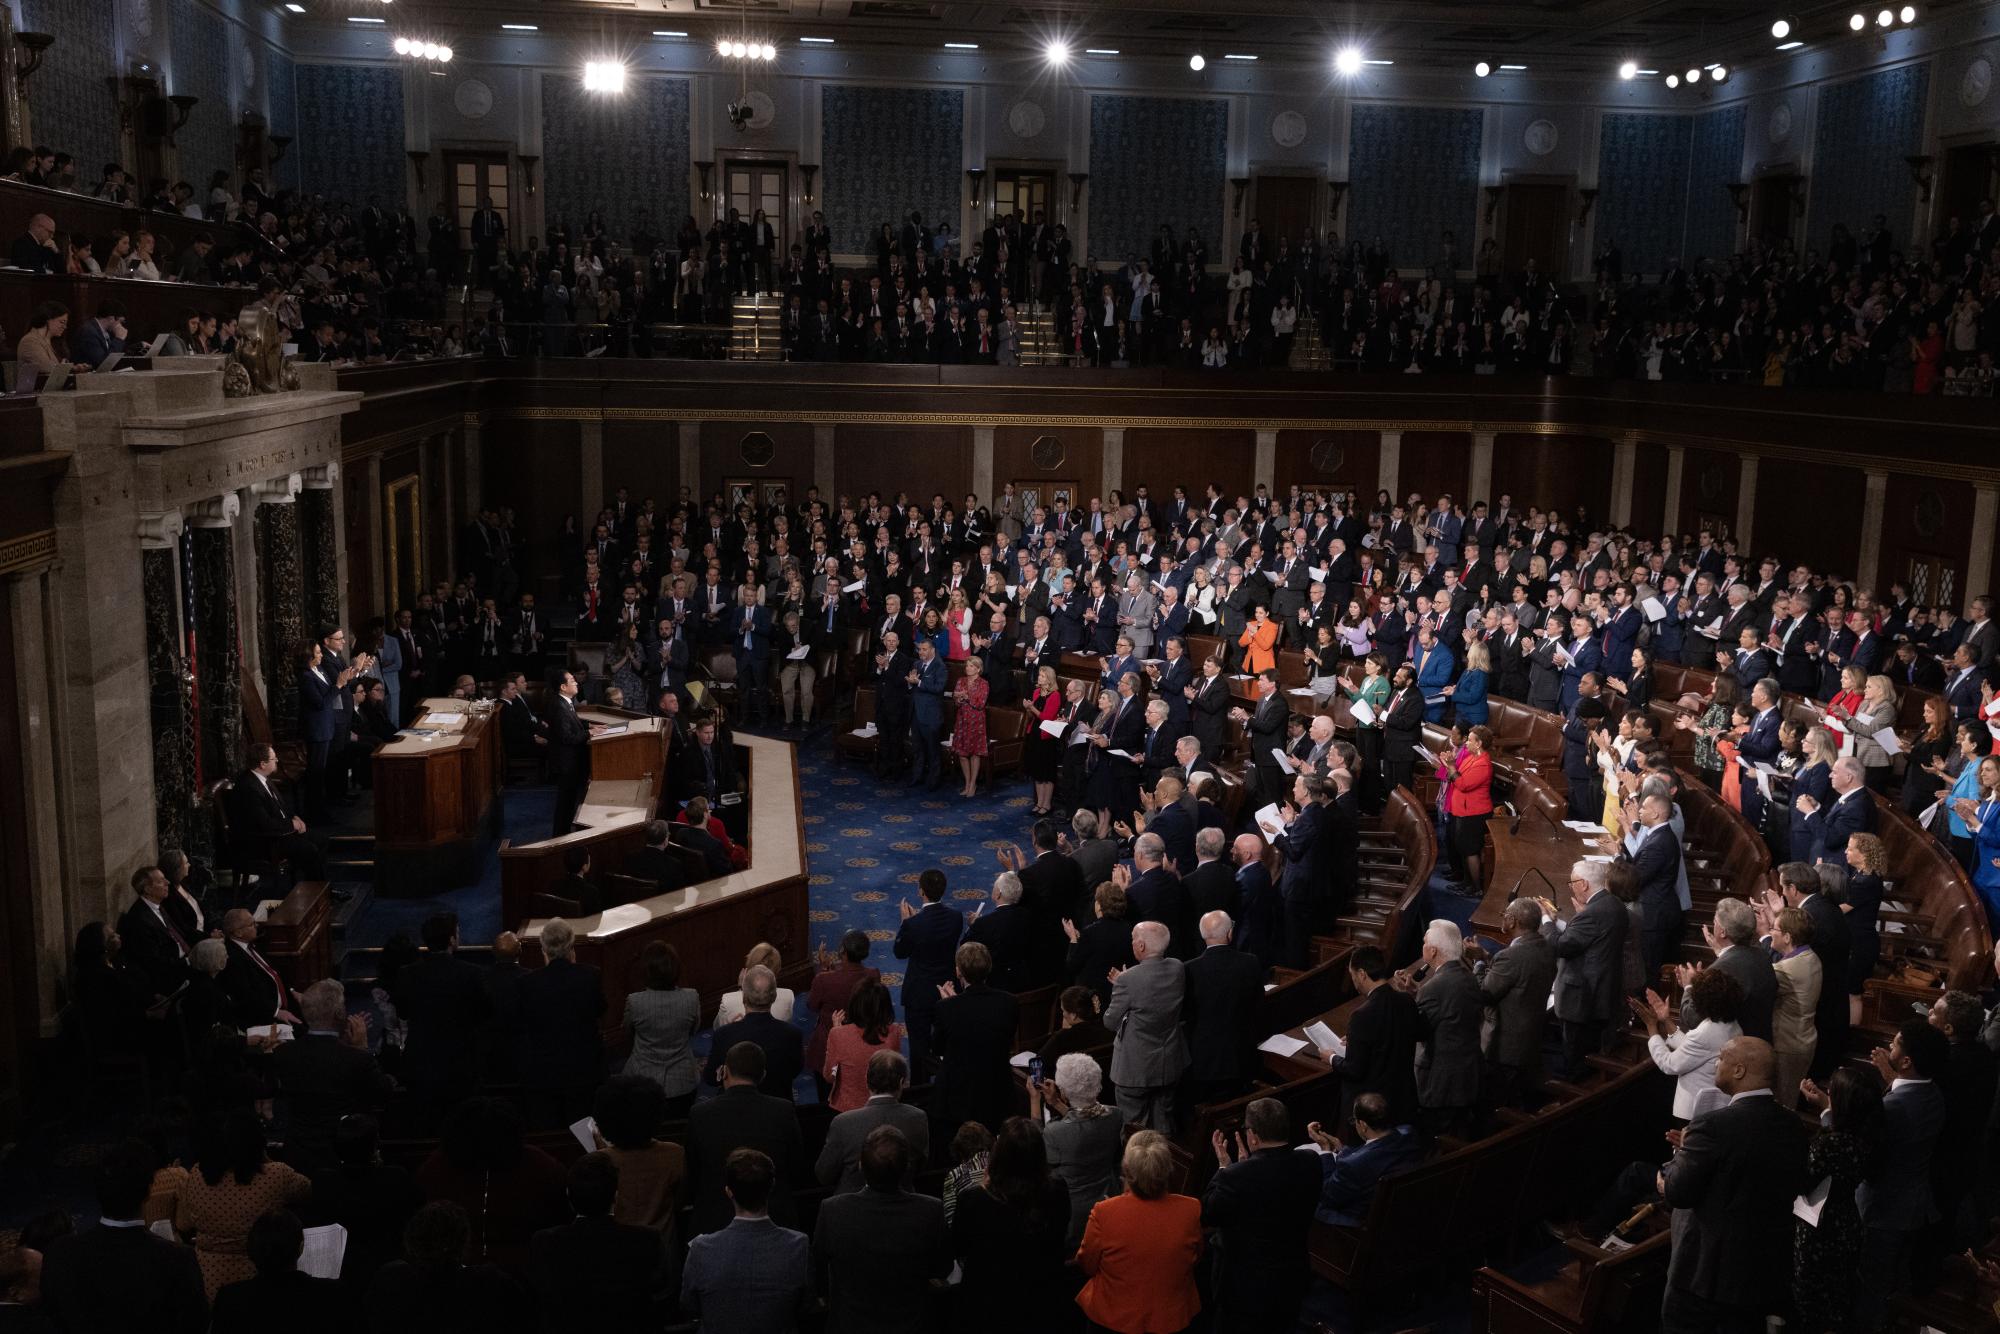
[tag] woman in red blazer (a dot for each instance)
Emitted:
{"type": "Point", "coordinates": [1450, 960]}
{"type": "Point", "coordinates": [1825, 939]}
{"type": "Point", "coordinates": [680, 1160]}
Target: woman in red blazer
{"type": "Point", "coordinates": [1139, 1249]}
{"type": "Point", "coordinates": [1471, 775]}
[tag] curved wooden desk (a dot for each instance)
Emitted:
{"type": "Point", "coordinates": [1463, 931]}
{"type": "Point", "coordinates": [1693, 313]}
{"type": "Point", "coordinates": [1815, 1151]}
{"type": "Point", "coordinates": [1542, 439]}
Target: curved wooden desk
{"type": "Point", "coordinates": [713, 923]}
{"type": "Point", "coordinates": [437, 797]}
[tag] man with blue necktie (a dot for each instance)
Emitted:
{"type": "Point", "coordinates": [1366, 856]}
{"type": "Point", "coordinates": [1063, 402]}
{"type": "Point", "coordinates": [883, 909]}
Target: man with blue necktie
{"type": "Point", "coordinates": [751, 638]}
{"type": "Point", "coordinates": [1120, 664]}
{"type": "Point", "coordinates": [1621, 634]}
{"type": "Point", "coordinates": [1433, 663]}
{"type": "Point", "coordinates": [928, 680]}
{"type": "Point", "coordinates": [1576, 658]}
{"type": "Point", "coordinates": [1171, 678]}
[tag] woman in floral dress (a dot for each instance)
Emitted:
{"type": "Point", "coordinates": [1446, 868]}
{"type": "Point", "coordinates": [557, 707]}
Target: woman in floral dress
{"type": "Point", "coordinates": [968, 734]}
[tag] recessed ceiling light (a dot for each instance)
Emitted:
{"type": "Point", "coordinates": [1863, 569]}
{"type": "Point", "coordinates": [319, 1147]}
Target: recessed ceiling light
{"type": "Point", "coordinates": [1790, 46]}
{"type": "Point", "coordinates": [1502, 67]}
{"type": "Point", "coordinates": [1719, 73]}
{"type": "Point", "coordinates": [661, 33]}
{"type": "Point", "coordinates": [1629, 70]}
{"type": "Point", "coordinates": [1781, 29]}
{"type": "Point", "coordinates": [352, 19]}
{"type": "Point", "coordinates": [1482, 69]}
{"type": "Point", "coordinates": [296, 9]}
{"type": "Point", "coordinates": [1197, 62]}
{"type": "Point", "coordinates": [961, 46]}
{"type": "Point", "coordinates": [1056, 53]}
{"type": "Point", "coordinates": [1908, 14]}
{"type": "Point", "coordinates": [1350, 60]}
{"type": "Point", "coordinates": [1649, 71]}
{"type": "Point", "coordinates": [1856, 22]}
{"type": "Point", "coordinates": [519, 27]}
{"type": "Point", "coordinates": [817, 41]}
{"type": "Point", "coordinates": [1673, 81]}
{"type": "Point", "coordinates": [1100, 50]}
{"type": "Point", "coordinates": [1237, 57]}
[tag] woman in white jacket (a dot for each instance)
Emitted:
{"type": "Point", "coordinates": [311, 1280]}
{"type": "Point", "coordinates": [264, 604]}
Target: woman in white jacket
{"type": "Point", "coordinates": [1690, 1056]}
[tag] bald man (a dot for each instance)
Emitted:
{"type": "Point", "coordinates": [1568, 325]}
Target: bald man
{"type": "Point", "coordinates": [1224, 988]}
{"type": "Point", "coordinates": [1736, 1172]}
{"type": "Point", "coordinates": [1263, 912]}
{"type": "Point", "coordinates": [255, 992]}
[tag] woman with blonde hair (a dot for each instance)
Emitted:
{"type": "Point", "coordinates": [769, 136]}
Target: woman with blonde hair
{"type": "Point", "coordinates": [1139, 1248]}
{"type": "Point", "coordinates": [1866, 722]}
{"type": "Point", "coordinates": [731, 1009]}
{"type": "Point", "coordinates": [1868, 864]}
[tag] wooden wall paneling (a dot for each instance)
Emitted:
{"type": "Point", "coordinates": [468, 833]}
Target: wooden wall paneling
{"type": "Point", "coordinates": [1804, 515]}
{"type": "Point", "coordinates": [644, 457]}
{"type": "Point", "coordinates": [1357, 469]}
{"type": "Point", "coordinates": [1082, 457]}
{"type": "Point", "coordinates": [919, 460]}
{"type": "Point", "coordinates": [1163, 457]}
{"type": "Point", "coordinates": [791, 457]}
{"type": "Point", "coordinates": [1435, 463]}
{"type": "Point", "coordinates": [1649, 488]}
{"type": "Point", "coordinates": [1558, 472]}
{"type": "Point", "coordinates": [1709, 479]}
{"type": "Point", "coordinates": [1929, 520]}
{"type": "Point", "coordinates": [535, 468]}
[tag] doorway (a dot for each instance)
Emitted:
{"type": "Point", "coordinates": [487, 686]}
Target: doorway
{"type": "Point", "coordinates": [469, 178]}
{"type": "Point", "coordinates": [1773, 216]}
{"type": "Point", "coordinates": [1025, 192]}
{"type": "Point", "coordinates": [1535, 225]}
{"type": "Point", "coordinates": [749, 186]}
{"type": "Point", "coordinates": [1284, 209]}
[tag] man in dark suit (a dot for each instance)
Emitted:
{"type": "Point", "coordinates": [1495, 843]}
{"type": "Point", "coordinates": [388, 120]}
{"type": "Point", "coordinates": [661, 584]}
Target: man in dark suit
{"type": "Point", "coordinates": [928, 937]}
{"type": "Point", "coordinates": [1220, 1010]}
{"type": "Point", "coordinates": [996, 660]}
{"type": "Point", "coordinates": [973, 1038]}
{"type": "Point", "coordinates": [653, 863]}
{"type": "Point", "coordinates": [1828, 827]}
{"type": "Point", "coordinates": [594, 1272]}
{"type": "Point", "coordinates": [1349, 1172]}
{"type": "Point", "coordinates": [1731, 1183]}
{"type": "Point", "coordinates": [522, 732]}
{"type": "Point", "coordinates": [750, 640]}
{"type": "Point", "coordinates": [1590, 962]}
{"type": "Point", "coordinates": [152, 941]}
{"type": "Point", "coordinates": [782, 1043]}
{"type": "Point", "coordinates": [569, 753]}
{"type": "Point", "coordinates": [740, 1117]}
{"type": "Point", "coordinates": [1381, 1053]}
{"type": "Point", "coordinates": [1402, 729]}
{"type": "Point", "coordinates": [260, 816]}
{"type": "Point", "coordinates": [1515, 984]}
{"type": "Point", "coordinates": [256, 993]}
{"type": "Point", "coordinates": [1052, 889]}
{"type": "Point", "coordinates": [1309, 863]}
{"type": "Point", "coordinates": [1655, 854]}
{"type": "Point", "coordinates": [840, 1159]}
{"type": "Point", "coordinates": [562, 1054]}
{"type": "Point", "coordinates": [325, 1073]}
{"type": "Point", "coordinates": [1260, 1207]}
{"type": "Point", "coordinates": [119, 1275]}
{"type": "Point", "coordinates": [1266, 728]}
{"type": "Point", "coordinates": [442, 998]}
{"type": "Point", "coordinates": [877, 1250]}
{"type": "Point", "coordinates": [749, 1272]}
{"type": "Point", "coordinates": [928, 682]}
{"type": "Point", "coordinates": [1007, 932]}
{"type": "Point", "coordinates": [1211, 885]}
{"type": "Point", "coordinates": [1260, 914]}
{"type": "Point", "coordinates": [707, 767]}
{"type": "Point", "coordinates": [1733, 938]}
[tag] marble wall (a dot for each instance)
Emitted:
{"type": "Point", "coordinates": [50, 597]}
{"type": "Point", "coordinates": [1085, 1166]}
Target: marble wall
{"type": "Point", "coordinates": [1865, 128]}
{"type": "Point", "coordinates": [618, 156]}
{"type": "Point", "coordinates": [1154, 161]}
{"type": "Point", "coordinates": [350, 128]}
{"type": "Point", "coordinates": [886, 152]}
{"type": "Point", "coordinates": [1414, 175]}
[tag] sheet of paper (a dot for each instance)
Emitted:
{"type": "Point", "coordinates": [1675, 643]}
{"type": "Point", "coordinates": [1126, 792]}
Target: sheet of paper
{"type": "Point", "coordinates": [1270, 821]}
{"type": "Point", "coordinates": [1363, 715]}
{"type": "Point", "coordinates": [1654, 609]}
{"type": "Point", "coordinates": [325, 1251]}
{"type": "Point", "coordinates": [284, 1031]}
{"type": "Point", "coordinates": [1282, 760]}
{"type": "Point", "coordinates": [854, 587]}
{"type": "Point", "coordinates": [1283, 1044]}
{"type": "Point", "coordinates": [799, 654]}
{"type": "Point", "coordinates": [1123, 755]}
{"type": "Point", "coordinates": [1300, 694]}
{"type": "Point", "coordinates": [1270, 986]}
{"type": "Point", "coordinates": [1809, 1205]}
{"type": "Point", "coordinates": [1713, 628]}
{"type": "Point", "coordinates": [1600, 857]}
{"type": "Point", "coordinates": [1054, 727]}
{"type": "Point", "coordinates": [1020, 1059]}
{"type": "Point", "coordinates": [869, 730]}
{"type": "Point", "coordinates": [1890, 743]}
{"type": "Point", "coordinates": [1427, 756]}
{"type": "Point", "coordinates": [1273, 576]}
{"type": "Point", "coordinates": [1584, 826]}
{"type": "Point", "coordinates": [1930, 815]}
{"type": "Point", "coordinates": [586, 1133]}
{"type": "Point", "coordinates": [1320, 1035]}
{"type": "Point", "coordinates": [162, 1228]}
{"type": "Point", "coordinates": [443, 719]}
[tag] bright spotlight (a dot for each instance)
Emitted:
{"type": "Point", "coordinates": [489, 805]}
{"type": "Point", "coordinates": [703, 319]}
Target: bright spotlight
{"type": "Point", "coordinates": [1693, 75]}
{"type": "Point", "coordinates": [444, 54]}
{"type": "Point", "coordinates": [1482, 69]}
{"type": "Point", "coordinates": [1781, 29]}
{"type": "Point", "coordinates": [1350, 60]}
{"type": "Point", "coordinates": [1884, 18]}
{"type": "Point", "coordinates": [1908, 14]}
{"type": "Point", "coordinates": [402, 46]}
{"type": "Point", "coordinates": [1629, 70]}
{"type": "Point", "coordinates": [1719, 73]}
{"type": "Point", "coordinates": [1673, 81]}
{"type": "Point", "coordinates": [1197, 63]}
{"type": "Point", "coordinates": [603, 76]}
{"type": "Point", "coordinates": [1057, 53]}
{"type": "Point", "coordinates": [1857, 22]}
{"type": "Point", "coordinates": [770, 51]}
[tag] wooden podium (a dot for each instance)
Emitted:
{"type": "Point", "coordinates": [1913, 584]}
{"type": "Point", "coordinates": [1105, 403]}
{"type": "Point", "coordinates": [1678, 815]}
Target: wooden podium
{"type": "Point", "coordinates": [437, 797]}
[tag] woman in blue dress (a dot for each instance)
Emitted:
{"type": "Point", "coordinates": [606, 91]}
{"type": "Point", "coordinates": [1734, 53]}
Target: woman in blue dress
{"type": "Point", "coordinates": [1982, 817]}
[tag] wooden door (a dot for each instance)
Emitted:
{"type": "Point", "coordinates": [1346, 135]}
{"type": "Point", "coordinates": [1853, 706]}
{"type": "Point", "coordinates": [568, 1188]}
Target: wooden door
{"type": "Point", "coordinates": [470, 179]}
{"type": "Point", "coordinates": [1025, 192]}
{"type": "Point", "coordinates": [1772, 215]}
{"type": "Point", "coordinates": [1284, 207]}
{"type": "Point", "coordinates": [1535, 225]}
{"type": "Point", "coordinates": [1968, 178]}
{"type": "Point", "coordinates": [757, 185]}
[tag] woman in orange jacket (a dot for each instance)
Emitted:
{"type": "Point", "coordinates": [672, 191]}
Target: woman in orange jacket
{"type": "Point", "coordinates": [1260, 642]}
{"type": "Point", "coordinates": [1139, 1248]}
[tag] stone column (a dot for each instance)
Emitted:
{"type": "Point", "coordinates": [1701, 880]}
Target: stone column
{"type": "Point", "coordinates": [34, 623]}
{"type": "Point", "coordinates": [1746, 507]}
{"type": "Point", "coordinates": [1113, 475]}
{"type": "Point", "coordinates": [1624, 464]}
{"type": "Point", "coordinates": [218, 651]}
{"type": "Point", "coordinates": [249, 595]}
{"type": "Point", "coordinates": [1979, 558]}
{"type": "Point", "coordinates": [690, 446]}
{"type": "Point", "coordinates": [378, 593]}
{"type": "Point", "coordinates": [322, 553]}
{"type": "Point", "coordinates": [1867, 565]}
{"type": "Point", "coordinates": [1676, 466]}
{"type": "Point", "coordinates": [591, 456]}
{"type": "Point", "coordinates": [469, 475]}
{"type": "Point", "coordinates": [1265, 469]}
{"type": "Point", "coordinates": [281, 598]}
{"type": "Point", "coordinates": [1389, 471]}
{"type": "Point", "coordinates": [982, 464]}
{"type": "Point", "coordinates": [1479, 469]}
{"type": "Point", "coordinates": [169, 687]}
{"type": "Point", "coordinates": [823, 464]}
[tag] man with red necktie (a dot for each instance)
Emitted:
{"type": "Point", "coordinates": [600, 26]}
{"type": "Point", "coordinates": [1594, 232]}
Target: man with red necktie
{"type": "Point", "coordinates": [256, 993]}
{"type": "Point", "coordinates": [151, 941]}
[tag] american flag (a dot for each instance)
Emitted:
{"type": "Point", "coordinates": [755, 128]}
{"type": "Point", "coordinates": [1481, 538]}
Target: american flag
{"type": "Point", "coordinates": [187, 633]}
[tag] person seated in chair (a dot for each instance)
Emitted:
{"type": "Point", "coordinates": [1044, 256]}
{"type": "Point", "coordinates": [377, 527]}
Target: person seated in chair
{"type": "Point", "coordinates": [654, 863]}
{"type": "Point", "coordinates": [260, 818]}
{"type": "Point", "coordinates": [575, 884]}
{"type": "Point", "coordinates": [1349, 1173]}
{"type": "Point", "coordinates": [705, 834]}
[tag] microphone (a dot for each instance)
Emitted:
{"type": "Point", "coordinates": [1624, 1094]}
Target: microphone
{"type": "Point", "coordinates": [1521, 879]}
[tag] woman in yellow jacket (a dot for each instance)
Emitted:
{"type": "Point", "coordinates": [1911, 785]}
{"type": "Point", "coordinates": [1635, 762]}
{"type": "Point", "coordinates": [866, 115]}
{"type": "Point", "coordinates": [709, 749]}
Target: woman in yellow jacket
{"type": "Point", "coordinates": [1260, 642]}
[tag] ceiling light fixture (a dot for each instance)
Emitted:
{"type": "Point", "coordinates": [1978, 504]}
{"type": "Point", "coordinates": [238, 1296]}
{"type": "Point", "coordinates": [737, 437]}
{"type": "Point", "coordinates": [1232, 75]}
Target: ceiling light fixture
{"type": "Point", "coordinates": [1482, 69]}
{"type": "Point", "coordinates": [1057, 53]}
{"type": "Point", "coordinates": [1516, 68]}
{"type": "Point", "coordinates": [1908, 14]}
{"type": "Point", "coordinates": [1673, 81]}
{"type": "Point", "coordinates": [1100, 50]}
{"type": "Point", "coordinates": [603, 76]}
{"type": "Point", "coordinates": [1693, 75]}
{"type": "Point", "coordinates": [1719, 73]}
{"type": "Point", "coordinates": [1391, 62]}
{"type": "Point", "coordinates": [1350, 60]}
{"type": "Point", "coordinates": [1781, 29]}
{"type": "Point", "coordinates": [1237, 57]}
{"type": "Point", "coordinates": [519, 27]}
{"type": "Point", "coordinates": [352, 19]}
{"type": "Point", "coordinates": [1197, 62]}
{"type": "Point", "coordinates": [659, 33]}
{"type": "Point", "coordinates": [1856, 22]}
{"type": "Point", "coordinates": [961, 46]}
{"type": "Point", "coordinates": [1629, 70]}
{"type": "Point", "coordinates": [1790, 46]}
{"type": "Point", "coordinates": [296, 9]}
{"type": "Point", "coordinates": [817, 41]}
{"type": "Point", "coordinates": [1884, 18]}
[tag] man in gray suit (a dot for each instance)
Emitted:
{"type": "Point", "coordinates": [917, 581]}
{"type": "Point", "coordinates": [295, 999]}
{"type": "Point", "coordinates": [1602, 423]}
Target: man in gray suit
{"type": "Point", "coordinates": [1148, 1056]}
{"type": "Point", "coordinates": [1135, 615]}
{"type": "Point", "coordinates": [1093, 854]}
{"type": "Point", "coordinates": [839, 1164]}
{"type": "Point", "coordinates": [1453, 1011]}
{"type": "Point", "coordinates": [1733, 937]}
{"type": "Point", "coordinates": [1516, 984]}
{"type": "Point", "coordinates": [1590, 962]}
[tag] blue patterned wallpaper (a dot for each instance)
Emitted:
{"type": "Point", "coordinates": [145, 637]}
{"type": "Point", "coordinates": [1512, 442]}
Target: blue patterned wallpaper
{"type": "Point", "coordinates": [1715, 159]}
{"type": "Point", "coordinates": [1642, 177]}
{"type": "Point", "coordinates": [200, 69]}
{"type": "Point", "coordinates": [1866, 127]}
{"type": "Point", "coordinates": [616, 155]}
{"type": "Point", "coordinates": [281, 86]}
{"type": "Point", "coordinates": [1415, 175]}
{"type": "Point", "coordinates": [69, 98]}
{"type": "Point", "coordinates": [1157, 160]}
{"type": "Point", "coordinates": [350, 132]}
{"type": "Point", "coordinates": [885, 152]}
